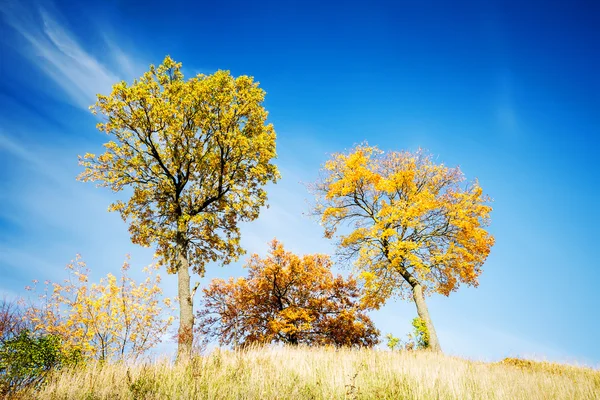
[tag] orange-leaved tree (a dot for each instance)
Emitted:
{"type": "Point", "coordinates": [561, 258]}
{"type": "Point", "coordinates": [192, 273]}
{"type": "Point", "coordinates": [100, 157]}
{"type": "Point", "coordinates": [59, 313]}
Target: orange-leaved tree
{"type": "Point", "coordinates": [287, 299]}
{"type": "Point", "coordinates": [196, 154]}
{"type": "Point", "coordinates": [116, 318]}
{"type": "Point", "coordinates": [409, 224]}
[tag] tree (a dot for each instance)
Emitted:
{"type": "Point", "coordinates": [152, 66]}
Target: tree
{"type": "Point", "coordinates": [113, 319]}
{"type": "Point", "coordinates": [196, 154]}
{"type": "Point", "coordinates": [408, 225]}
{"type": "Point", "coordinates": [287, 299]}
{"type": "Point", "coordinates": [12, 321]}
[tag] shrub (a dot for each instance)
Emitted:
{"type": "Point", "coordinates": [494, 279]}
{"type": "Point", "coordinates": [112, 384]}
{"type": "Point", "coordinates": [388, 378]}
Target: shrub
{"type": "Point", "coordinates": [393, 342]}
{"type": "Point", "coordinates": [420, 334]}
{"type": "Point", "coordinates": [25, 359]}
{"type": "Point", "coordinates": [418, 339]}
{"type": "Point", "coordinates": [116, 318]}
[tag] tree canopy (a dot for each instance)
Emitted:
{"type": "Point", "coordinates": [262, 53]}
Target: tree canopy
{"type": "Point", "coordinates": [408, 224]}
{"type": "Point", "coordinates": [289, 299]}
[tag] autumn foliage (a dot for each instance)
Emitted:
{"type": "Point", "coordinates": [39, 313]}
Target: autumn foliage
{"type": "Point", "coordinates": [413, 227]}
{"type": "Point", "coordinates": [196, 154]}
{"type": "Point", "coordinates": [288, 299]}
{"type": "Point", "coordinates": [116, 318]}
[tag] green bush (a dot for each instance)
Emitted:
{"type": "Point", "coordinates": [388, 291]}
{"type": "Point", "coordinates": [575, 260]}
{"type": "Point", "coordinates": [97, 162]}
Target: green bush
{"type": "Point", "coordinates": [420, 334]}
{"type": "Point", "coordinates": [25, 359]}
{"type": "Point", "coordinates": [418, 339]}
{"type": "Point", "coordinates": [393, 342]}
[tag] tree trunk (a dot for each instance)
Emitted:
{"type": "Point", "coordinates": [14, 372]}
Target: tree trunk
{"type": "Point", "coordinates": [185, 335]}
{"type": "Point", "coordinates": [434, 343]}
{"type": "Point", "coordinates": [417, 289]}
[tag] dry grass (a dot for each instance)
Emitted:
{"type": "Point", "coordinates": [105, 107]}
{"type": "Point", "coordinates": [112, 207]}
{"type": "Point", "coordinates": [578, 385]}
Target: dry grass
{"type": "Point", "coordinates": [308, 373]}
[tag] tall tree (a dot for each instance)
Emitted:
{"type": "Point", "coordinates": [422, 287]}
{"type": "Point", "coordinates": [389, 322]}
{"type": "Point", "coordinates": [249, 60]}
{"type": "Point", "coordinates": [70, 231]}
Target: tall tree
{"type": "Point", "coordinates": [408, 224]}
{"type": "Point", "coordinates": [196, 154]}
{"type": "Point", "coordinates": [287, 299]}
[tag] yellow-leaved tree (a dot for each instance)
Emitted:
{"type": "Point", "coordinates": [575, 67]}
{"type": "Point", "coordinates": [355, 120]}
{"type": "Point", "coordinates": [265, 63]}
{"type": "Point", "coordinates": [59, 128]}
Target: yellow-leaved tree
{"type": "Point", "coordinates": [409, 224]}
{"type": "Point", "coordinates": [196, 154]}
{"type": "Point", "coordinates": [116, 318]}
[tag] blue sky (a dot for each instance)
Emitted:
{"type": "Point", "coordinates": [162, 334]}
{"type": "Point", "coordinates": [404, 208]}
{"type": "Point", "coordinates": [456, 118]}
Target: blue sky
{"type": "Point", "coordinates": [509, 92]}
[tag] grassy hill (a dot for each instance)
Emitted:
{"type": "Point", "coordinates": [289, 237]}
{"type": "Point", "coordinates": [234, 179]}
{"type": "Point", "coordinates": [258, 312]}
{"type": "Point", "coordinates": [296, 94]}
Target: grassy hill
{"type": "Point", "coordinates": [313, 373]}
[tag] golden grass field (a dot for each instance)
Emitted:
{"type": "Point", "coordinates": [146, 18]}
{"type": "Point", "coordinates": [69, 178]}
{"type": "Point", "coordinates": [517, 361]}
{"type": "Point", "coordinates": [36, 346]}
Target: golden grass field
{"type": "Point", "coordinates": [322, 373]}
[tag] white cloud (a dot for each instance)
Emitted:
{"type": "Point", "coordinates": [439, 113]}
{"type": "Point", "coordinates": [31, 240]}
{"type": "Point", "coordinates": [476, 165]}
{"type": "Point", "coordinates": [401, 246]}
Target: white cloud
{"type": "Point", "coordinates": [127, 65]}
{"type": "Point", "coordinates": [55, 50]}
{"type": "Point", "coordinates": [29, 158]}
{"type": "Point", "coordinates": [9, 145]}
{"type": "Point", "coordinates": [45, 200]}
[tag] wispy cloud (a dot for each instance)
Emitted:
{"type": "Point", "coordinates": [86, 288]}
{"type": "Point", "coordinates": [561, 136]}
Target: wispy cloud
{"type": "Point", "coordinates": [126, 64]}
{"type": "Point", "coordinates": [46, 203]}
{"type": "Point", "coordinates": [55, 50]}
{"type": "Point", "coordinates": [28, 157]}
{"type": "Point", "coordinates": [11, 146]}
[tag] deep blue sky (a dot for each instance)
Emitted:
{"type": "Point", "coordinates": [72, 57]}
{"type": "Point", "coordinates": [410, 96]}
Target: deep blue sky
{"type": "Point", "coordinates": [509, 92]}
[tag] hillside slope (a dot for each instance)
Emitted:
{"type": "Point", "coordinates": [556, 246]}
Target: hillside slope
{"type": "Point", "coordinates": [312, 373]}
